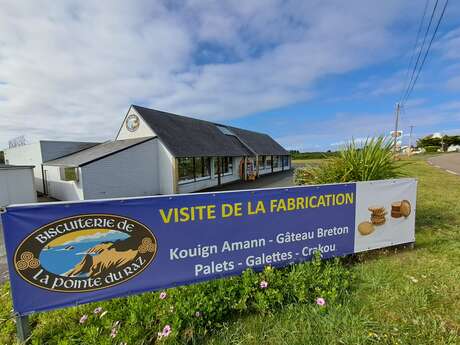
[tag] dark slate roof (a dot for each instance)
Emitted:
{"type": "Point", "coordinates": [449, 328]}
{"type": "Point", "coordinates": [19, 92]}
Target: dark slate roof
{"type": "Point", "coordinates": [261, 143]}
{"type": "Point", "coordinates": [97, 152]}
{"type": "Point", "coordinates": [186, 136]}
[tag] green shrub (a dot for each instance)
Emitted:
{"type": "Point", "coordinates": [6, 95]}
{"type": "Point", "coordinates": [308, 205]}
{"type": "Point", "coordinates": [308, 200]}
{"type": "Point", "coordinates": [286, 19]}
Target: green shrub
{"type": "Point", "coordinates": [432, 149]}
{"type": "Point", "coordinates": [373, 160]}
{"type": "Point", "coordinates": [192, 311]}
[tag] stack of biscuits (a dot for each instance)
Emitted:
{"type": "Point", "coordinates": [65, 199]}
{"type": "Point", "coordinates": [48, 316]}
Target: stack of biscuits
{"type": "Point", "coordinates": [400, 209]}
{"type": "Point", "coordinates": [377, 215]}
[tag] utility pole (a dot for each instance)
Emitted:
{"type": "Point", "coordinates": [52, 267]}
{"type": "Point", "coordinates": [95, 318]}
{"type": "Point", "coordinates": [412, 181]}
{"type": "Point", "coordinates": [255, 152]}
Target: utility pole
{"type": "Point", "coordinates": [410, 140]}
{"type": "Point", "coordinates": [396, 128]}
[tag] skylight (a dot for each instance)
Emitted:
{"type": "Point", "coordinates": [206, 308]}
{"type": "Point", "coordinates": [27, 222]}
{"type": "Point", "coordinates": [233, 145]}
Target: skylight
{"type": "Point", "coordinates": [225, 130]}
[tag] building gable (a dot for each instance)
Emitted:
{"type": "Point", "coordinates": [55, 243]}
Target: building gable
{"type": "Point", "coordinates": [134, 126]}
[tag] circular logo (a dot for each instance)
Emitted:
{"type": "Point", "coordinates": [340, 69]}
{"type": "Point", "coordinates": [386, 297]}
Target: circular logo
{"type": "Point", "coordinates": [85, 253]}
{"type": "Point", "coordinates": [132, 123]}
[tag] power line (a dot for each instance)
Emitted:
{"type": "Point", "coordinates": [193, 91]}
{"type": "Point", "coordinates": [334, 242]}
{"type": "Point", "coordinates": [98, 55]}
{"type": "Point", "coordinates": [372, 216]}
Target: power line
{"type": "Point", "coordinates": [414, 49]}
{"type": "Point", "coordinates": [428, 49]}
{"type": "Point", "coordinates": [420, 52]}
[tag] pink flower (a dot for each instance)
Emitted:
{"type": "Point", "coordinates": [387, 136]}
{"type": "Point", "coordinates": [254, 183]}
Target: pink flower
{"type": "Point", "coordinates": [83, 319]}
{"type": "Point", "coordinates": [166, 330]}
{"type": "Point", "coordinates": [320, 301]}
{"type": "Point", "coordinates": [163, 295]}
{"type": "Point", "coordinates": [97, 310]}
{"type": "Point", "coordinates": [114, 332]}
{"type": "Point", "coordinates": [263, 284]}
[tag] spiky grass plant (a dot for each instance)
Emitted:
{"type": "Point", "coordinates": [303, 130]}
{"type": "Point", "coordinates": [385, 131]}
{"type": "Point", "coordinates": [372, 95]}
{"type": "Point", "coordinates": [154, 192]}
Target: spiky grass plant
{"type": "Point", "coordinates": [370, 160]}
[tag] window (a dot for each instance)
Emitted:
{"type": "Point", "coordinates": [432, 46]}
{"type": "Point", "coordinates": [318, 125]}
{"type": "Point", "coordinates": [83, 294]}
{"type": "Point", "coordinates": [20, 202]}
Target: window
{"type": "Point", "coordinates": [194, 168]}
{"type": "Point", "coordinates": [69, 174]}
{"type": "Point", "coordinates": [276, 161]}
{"type": "Point", "coordinates": [268, 162]}
{"type": "Point", "coordinates": [285, 161]}
{"type": "Point", "coordinates": [186, 171]}
{"type": "Point", "coordinates": [226, 165]}
{"type": "Point", "coordinates": [202, 167]}
{"type": "Point", "coordinates": [261, 162]}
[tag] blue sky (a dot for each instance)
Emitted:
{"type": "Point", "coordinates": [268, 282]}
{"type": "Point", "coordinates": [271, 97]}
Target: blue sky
{"type": "Point", "coordinates": [313, 74]}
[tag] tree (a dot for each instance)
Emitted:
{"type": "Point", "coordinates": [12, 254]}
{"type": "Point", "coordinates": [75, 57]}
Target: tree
{"type": "Point", "coordinates": [443, 142]}
{"type": "Point", "coordinates": [429, 141]}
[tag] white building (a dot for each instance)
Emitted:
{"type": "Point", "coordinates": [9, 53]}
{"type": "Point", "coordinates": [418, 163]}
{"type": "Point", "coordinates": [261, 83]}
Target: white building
{"type": "Point", "coordinates": [17, 184]}
{"type": "Point", "coordinates": [37, 153]}
{"type": "Point", "coordinates": [16, 187]}
{"type": "Point", "coordinates": [156, 152]}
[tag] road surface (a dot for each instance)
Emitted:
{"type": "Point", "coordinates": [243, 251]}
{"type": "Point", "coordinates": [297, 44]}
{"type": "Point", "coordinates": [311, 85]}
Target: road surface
{"type": "Point", "coordinates": [449, 162]}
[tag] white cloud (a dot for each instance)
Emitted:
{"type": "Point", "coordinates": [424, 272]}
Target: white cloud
{"type": "Point", "coordinates": [69, 70]}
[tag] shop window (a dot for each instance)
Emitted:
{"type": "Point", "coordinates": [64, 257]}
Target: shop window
{"type": "Point", "coordinates": [285, 161]}
{"type": "Point", "coordinates": [194, 168]}
{"type": "Point", "coordinates": [268, 162]}
{"type": "Point", "coordinates": [202, 167]}
{"type": "Point", "coordinates": [261, 162]}
{"type": "Point", "coordinates": [69, 174]}
{"type": "Point", "coordinates": [276, 161]}
{"type": "Point", "coordinates": [186, 171]}
{"type": "Point", "coordinates": [226, 165]}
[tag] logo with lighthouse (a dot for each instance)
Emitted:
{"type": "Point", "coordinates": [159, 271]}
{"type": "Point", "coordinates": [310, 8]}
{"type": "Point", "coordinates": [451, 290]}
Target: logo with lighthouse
{"type": "Point", "coordinates": [85, 253]}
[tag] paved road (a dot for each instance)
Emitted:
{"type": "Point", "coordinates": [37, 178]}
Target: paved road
{"type": "Point", "coordinates": [281, 179]}
{"type": "Point", "coordinates": [449, 162]}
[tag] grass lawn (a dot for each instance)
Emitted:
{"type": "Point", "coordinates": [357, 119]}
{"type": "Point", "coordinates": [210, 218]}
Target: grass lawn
{"type": "Point", "coordinates": [399, 296]}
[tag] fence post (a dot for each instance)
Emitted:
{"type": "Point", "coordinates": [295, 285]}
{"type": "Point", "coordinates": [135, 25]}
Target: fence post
{"type": "Point", "coordinates": [22, 327]}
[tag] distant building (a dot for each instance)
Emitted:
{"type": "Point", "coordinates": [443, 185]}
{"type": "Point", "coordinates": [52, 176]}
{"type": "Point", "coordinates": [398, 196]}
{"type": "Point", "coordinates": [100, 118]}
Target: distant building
{"type": "Point", "coordinates": [154, 152]}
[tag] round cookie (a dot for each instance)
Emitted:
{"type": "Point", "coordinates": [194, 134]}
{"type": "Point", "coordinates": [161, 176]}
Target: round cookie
{"type": "Point", "coordinates": [405, 208]}
{"type": "Point", "coordinates": [366, 228]}
{"type": "Point", "coordinates": [396, 214]}
{"type": "Point", "coordinates": [377, 210]}
{"type": "Point", "coordinates": [378, 220]}
{"type": "Point", "coordinates": [396, 206]}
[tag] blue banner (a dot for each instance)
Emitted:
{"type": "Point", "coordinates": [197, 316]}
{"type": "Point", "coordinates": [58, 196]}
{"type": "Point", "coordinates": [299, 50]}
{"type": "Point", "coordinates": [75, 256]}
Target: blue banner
{"type": "Point", "coordinates": [62, 254]}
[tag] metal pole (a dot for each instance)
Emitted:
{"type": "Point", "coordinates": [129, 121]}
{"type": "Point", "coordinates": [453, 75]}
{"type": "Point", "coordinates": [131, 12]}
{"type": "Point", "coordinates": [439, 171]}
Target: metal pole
{"type": "Point", "coordinates": [22, 328]}
{"type": "Point", "coordinates": [410, 141]}
{"type": "Point", "coordinates": [396, 129]}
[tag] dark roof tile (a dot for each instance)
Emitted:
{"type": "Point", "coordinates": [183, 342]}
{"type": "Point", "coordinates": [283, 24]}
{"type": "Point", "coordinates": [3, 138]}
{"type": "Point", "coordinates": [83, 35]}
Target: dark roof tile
{"type": "Point", "coordinates": [186, 136]}
{"type": "Point", "coordinates": [95, 152]}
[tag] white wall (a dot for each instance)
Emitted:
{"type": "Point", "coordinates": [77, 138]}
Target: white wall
{"type": "Point", "coordinates": [142, 131]}
{"type": "Point", "coordinates": [17, 186]}
{"type": "Point", "coordinates": [131, 172]}
{"type": "Point", "coordinates": [62, 190]}
{"type": "Point", "coordinates": [27, 155]}
{"type": "Point", "coordinates": [42, 151]}
{"type": "Point", "coordinates": [165, 170]}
